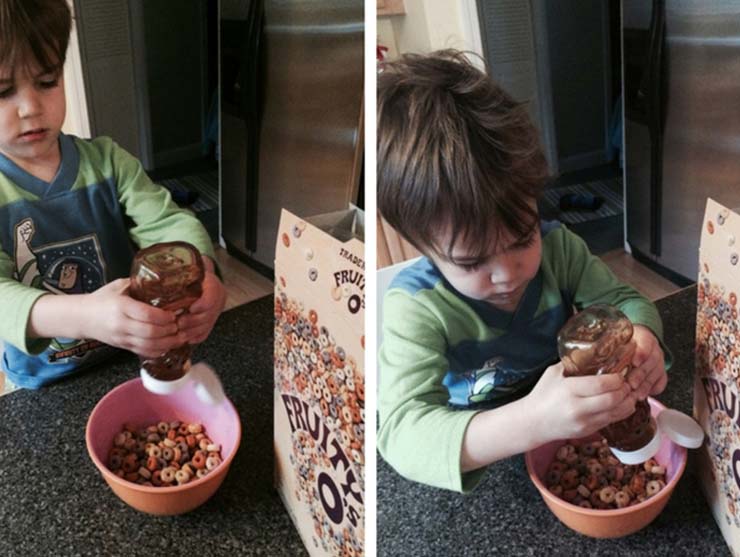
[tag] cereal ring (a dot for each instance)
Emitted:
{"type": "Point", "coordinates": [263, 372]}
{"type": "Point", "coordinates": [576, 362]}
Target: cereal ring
{"type": "Point", "coordinates": [313, 274]}
{"type": "Point", "coordinates": [552, 477]}
{"type": "Point", "coordinates": [622, 499]}
{"type": "Point", "coordinates": [119, 440]}
{"type": "Point", "coordinates": [195, 428]}
{"type": "Point", "coordinates": [710, 227]}
{"type": "Point", "coordinates": [129, 463]}
{"type": "Point", "coordinates": [331, 384]}
{"type": "Point", "coordinates": [584, 491]}
{"type": "Point", "coordinates": [114, 462]}
{"type": "Point", "coordinates": [313, 317]}
{"type": "Point", "coordinates": [144, 473]}
{"type": "Point", "coordinates": [167, 475]}
{"type": "Point", "coordinates": [190, 440]}
{"type": "Point", "coordinates": [652, 488]}
{"type": "Point", "coordinates": [607, 494]}
{"type": "Point", "coordinates": [360, 390]}
{"type": "Point", "coordinates": [152, 463]}
{"type": "Point", "coordinates": [356, 418]}
{"type": "Point", "coordinates": [324, 407]}
{"type": "Point", "coordinates": [286, 240]}
{"type": "Point", "coordinates": [199, 460]}
{"type": "Point", "coordinates": [212, 462]}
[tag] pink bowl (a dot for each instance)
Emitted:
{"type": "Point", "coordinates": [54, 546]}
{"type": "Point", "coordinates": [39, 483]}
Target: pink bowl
{"type": "Point", "coordinates": [131, 403]}
{"type": "Point", "coordinates": [612, 523]}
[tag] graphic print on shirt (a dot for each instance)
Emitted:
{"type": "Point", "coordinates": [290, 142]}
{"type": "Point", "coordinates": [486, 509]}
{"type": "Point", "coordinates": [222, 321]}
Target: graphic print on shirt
{"type": "Point", "coordinates": [495, 379]}
{"type": "Point", "coordinates": [70, 267]}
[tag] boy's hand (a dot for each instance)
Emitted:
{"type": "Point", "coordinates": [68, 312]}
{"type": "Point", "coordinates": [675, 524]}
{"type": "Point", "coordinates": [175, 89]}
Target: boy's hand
{"type": "Point", "coordinates": [197, 323]}
{"type": "Point", "coordinates": [118, 320]}
{"type": "Point", "coordinates": [574, 407]}
{"type": "Point", "coordinates": [648, 376]}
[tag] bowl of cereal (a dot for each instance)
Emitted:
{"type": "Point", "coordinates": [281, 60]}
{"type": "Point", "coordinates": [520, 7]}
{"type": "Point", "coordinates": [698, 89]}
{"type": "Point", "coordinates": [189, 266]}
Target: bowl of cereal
{"type": "Point", "coordinates": [162, 455]}
{"type": "Point", "coordinates": [593, 493]}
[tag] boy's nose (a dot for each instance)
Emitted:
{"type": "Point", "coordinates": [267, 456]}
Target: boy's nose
{"type": "Point", "coordinates": [503, 271]}
{"type": "Point", "coordinates": [503, 274]}
{"type": "Point", "coordinates": [29, 105]}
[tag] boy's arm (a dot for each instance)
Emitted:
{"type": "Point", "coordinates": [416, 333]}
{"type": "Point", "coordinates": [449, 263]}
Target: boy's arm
{"type": "Point", "coordinates": [419, 435]}
{"type": "Point", "coordinates": [156, 217]}
{"type": "Point", "coordinates": [16, 301]}
{"type": "Point", "coordinates": [592, 282]}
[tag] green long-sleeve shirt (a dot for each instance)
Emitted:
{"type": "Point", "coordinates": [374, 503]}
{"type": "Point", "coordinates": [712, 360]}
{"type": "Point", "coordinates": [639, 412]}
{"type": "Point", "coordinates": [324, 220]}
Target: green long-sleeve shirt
{"type": "Point", "coordinates": [73, 235]}
{"type": "Point", "coordinates": [445, 357]}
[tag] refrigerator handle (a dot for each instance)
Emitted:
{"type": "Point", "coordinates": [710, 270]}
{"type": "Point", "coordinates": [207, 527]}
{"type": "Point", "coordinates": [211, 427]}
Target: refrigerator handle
{"type": "Point", "coordinates": [654, 108]}
{"type": "Point", "coordinates": [249, 84]}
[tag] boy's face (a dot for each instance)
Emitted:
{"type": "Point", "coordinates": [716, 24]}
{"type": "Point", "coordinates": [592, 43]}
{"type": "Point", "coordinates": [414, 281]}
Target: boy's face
{"type": "Point", "coordinates": [501, 277]}
{"type": "Point", "coordinates": [32, 110]}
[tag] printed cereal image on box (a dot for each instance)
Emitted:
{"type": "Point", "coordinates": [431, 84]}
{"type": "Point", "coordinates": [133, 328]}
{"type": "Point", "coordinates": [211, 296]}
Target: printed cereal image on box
{"type": "Point", "coordinates": [717, 380]}
{"type": "Point", "coordinates": [319, 380]}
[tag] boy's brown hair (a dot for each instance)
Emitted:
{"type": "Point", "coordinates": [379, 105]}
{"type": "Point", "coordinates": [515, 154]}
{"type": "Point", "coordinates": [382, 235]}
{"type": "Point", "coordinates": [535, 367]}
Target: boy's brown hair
{"type": "Point", "coordinates": [34, 30]}
{"type": "Point", "coordinates": [456, 151]}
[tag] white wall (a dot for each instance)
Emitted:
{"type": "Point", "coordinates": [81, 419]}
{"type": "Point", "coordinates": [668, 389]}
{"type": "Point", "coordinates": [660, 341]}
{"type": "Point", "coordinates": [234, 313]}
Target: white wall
{"type": "Point", "coordinates": [430, 25]}
{"type": "Point", "coordinates": [77, 121]}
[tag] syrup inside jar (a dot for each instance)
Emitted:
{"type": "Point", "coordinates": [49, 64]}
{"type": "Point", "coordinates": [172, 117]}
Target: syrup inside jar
{"type": "Point", "coordinates": [168, 275]}
{"type": "Point", "coordinates": [598, 340]}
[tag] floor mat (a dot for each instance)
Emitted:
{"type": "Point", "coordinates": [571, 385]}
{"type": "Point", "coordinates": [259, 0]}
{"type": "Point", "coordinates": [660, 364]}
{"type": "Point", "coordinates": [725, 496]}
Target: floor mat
{"type": "Point", "coordinates": [205, 184]}
{"type": "Point", "coordinates": [205, 207]}
{"type": "Point", "coordinates": [610, 190]}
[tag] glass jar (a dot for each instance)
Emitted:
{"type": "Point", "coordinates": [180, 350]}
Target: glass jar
{"type": "Point", "coordinates": [596, 341]}
{"type": "Point", "coordinates": [168, 275]}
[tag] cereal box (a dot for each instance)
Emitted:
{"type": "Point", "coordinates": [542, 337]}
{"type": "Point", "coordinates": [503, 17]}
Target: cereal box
{"type": "Point", "coordinates": [319, 411]}
{"type": "Point", "coordinates": [717, 370]}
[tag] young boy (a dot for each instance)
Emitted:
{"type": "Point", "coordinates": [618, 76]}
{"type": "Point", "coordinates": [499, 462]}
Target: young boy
{"type": "Point", "coordinates": [468, 367]}
{"type": "Point", "coordinates": [72, 214]}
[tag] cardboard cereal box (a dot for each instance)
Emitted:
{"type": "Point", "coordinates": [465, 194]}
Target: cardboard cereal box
{"type": "Point", "coordinates": [717, 375]}
{"type": "Point", "coordinates": [319, 411]}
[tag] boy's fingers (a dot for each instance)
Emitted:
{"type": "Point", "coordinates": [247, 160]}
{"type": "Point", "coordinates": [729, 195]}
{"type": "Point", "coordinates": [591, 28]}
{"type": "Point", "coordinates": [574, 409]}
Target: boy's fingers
{"type": "Point", "coordinates": [660, 385]}
{"type": "Point", "coordinates": [604, 401]}
{"type": "Point", "coordinates": [191, 320]}
{"type": "Point", "coordinates": [636, 376]}
{"type": "Point", "coordinates": [616, 413]}
{"type": "Point", "coordinates": [591, 385]}
{"type": "Point", "coordinates": [140, 311]}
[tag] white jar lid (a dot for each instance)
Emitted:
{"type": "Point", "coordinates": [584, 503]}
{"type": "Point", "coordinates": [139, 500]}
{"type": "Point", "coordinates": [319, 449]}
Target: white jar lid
{"type": "Point", "coordinates": [680, 428]}
{"type": "Point", "coordinates": [640, 455]}
{"type": "Point", "coordinates": [208, 386]}
{"type": "Point", "coordinates": [159, 387]}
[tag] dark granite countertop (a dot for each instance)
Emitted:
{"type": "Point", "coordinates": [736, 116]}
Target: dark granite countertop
{"type": "Point", "coordinates": [53, 501]}
{"type": "Point", "coordinates": [505, 514]}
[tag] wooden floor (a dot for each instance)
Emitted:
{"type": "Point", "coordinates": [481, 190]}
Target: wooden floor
{"type": "Point", "coordinates": [650, 284]}
{"type": "Point", "coordinates": [243, 284]}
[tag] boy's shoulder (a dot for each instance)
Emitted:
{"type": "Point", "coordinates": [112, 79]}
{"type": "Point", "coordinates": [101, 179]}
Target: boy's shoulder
{"type": "Point", "coordinates": [418, 276]}
{"type": "Point", "coordinates": [101, 146]}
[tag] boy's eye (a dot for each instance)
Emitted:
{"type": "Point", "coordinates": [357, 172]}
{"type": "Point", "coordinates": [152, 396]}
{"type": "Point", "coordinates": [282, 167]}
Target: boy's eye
{"type": "Point", "coordinates": [5, 93]}
{"type": "Point", "coordinates": [469, 267]}
{"type": "Point", "coordinates": [48, 83]}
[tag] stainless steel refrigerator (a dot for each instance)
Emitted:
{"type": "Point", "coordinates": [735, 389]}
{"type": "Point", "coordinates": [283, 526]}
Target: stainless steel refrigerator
{"type": "Point", "coordinates": [291, 116]}
{"type": "Point", "coordinates": [682, 125]}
